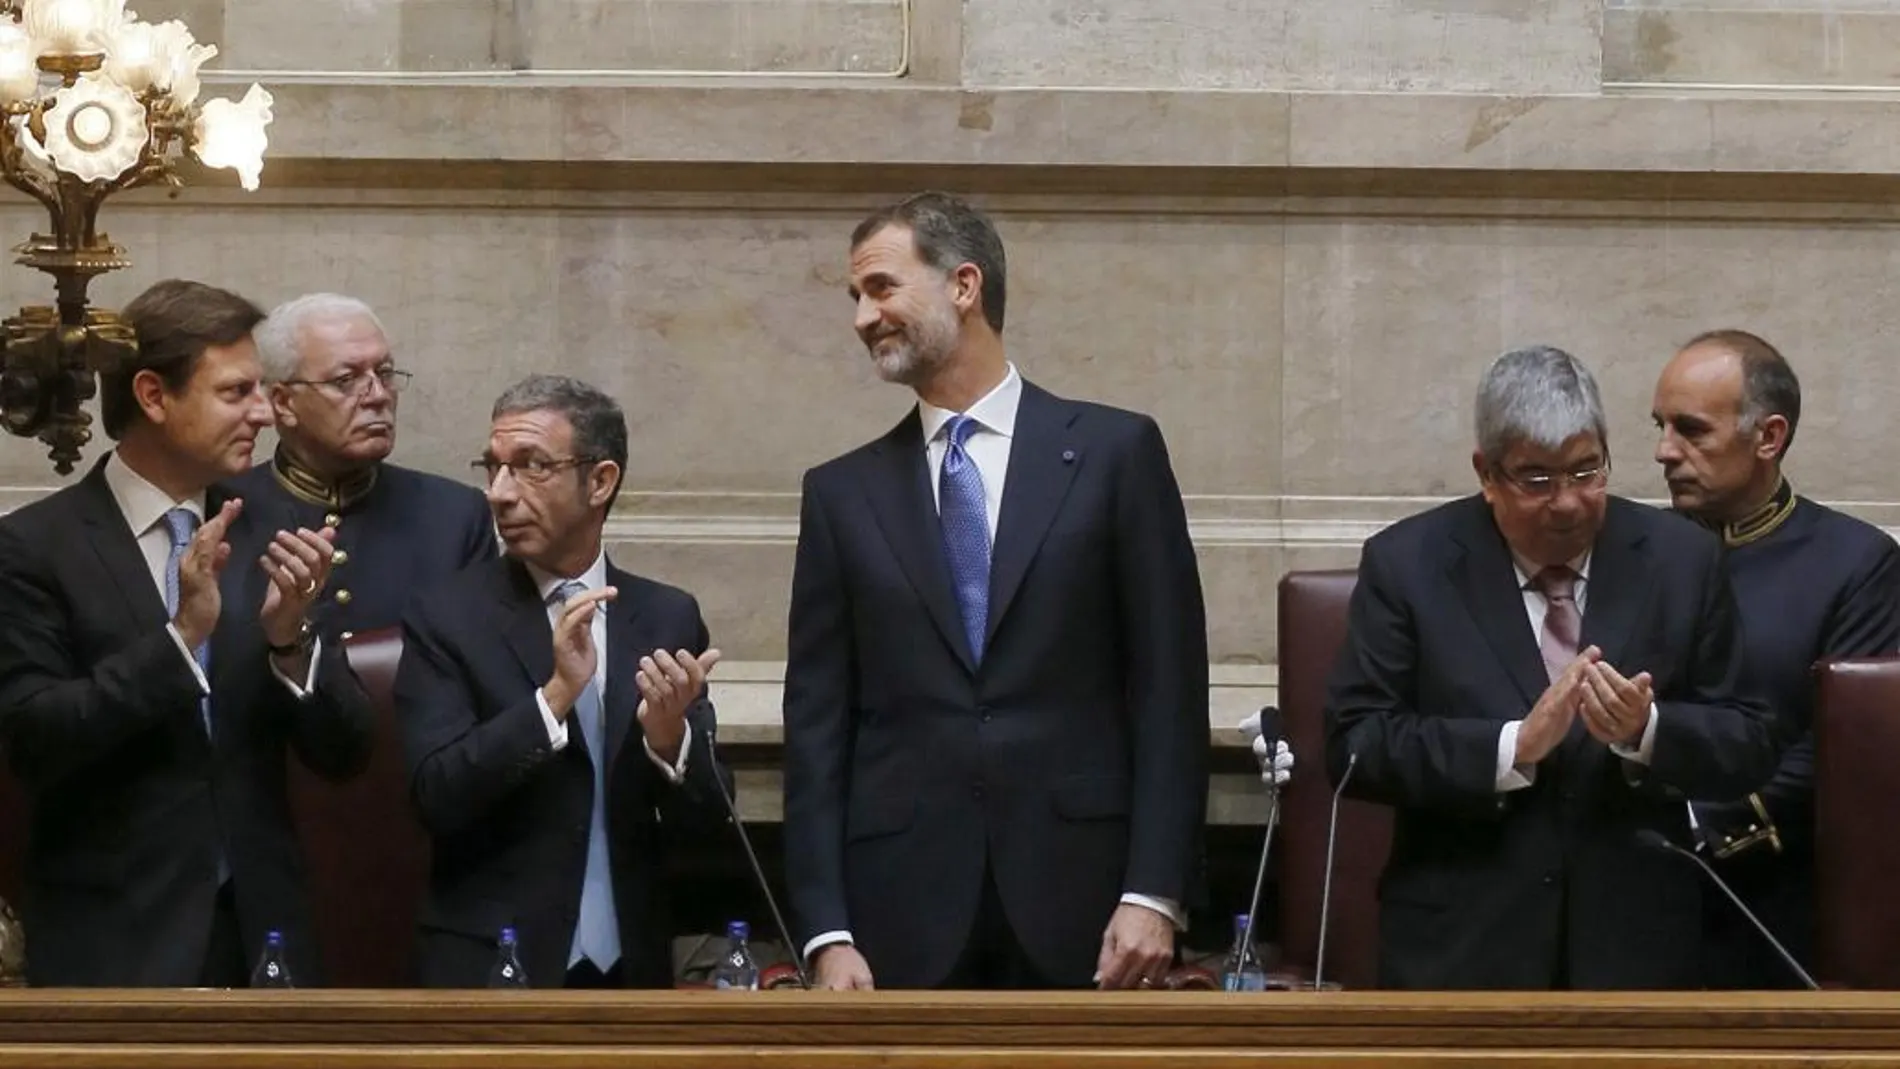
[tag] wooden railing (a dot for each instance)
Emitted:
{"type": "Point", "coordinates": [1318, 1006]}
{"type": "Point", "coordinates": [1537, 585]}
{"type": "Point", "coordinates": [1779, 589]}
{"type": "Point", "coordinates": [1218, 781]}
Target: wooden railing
{"type": "Point", "coordinates": [707, 1030]}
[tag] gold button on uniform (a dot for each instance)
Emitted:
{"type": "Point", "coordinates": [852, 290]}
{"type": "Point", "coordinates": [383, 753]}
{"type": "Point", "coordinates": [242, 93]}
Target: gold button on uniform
{"type": "Point", "coordinates": [332, 519]}
{"type": "Point", "coordinates": [342, 597]}
{"type": "Point", "coordinates": [340, 558]}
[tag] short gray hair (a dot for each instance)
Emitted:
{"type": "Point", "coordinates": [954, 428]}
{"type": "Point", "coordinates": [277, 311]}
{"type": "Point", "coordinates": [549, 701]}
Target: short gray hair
{"type": "Point", "coordinates": [279, 337]}
{"type": "Point", "coordinates": [600, 427]}
{"type": "Point", "coordinates": [1537, 394]}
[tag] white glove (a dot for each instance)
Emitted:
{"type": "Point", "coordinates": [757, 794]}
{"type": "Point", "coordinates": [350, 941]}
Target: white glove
{"type": "Point", "coordinates": [1276, 761]}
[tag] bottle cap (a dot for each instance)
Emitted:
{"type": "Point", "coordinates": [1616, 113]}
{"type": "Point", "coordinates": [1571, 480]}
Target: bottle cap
{"type": "Point", "coordinates": [508, 935]}
{"type": "Point", "coordinates": [738, 930]}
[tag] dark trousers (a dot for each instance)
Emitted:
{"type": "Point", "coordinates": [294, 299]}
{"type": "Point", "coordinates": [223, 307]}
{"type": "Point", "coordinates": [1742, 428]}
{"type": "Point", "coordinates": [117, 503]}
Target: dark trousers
{"type": "Point", "coordinates": [584, 975]}
{"type": "Point", "coordinates": [994, 959]}
{"type": "Point", "coordinates": [224, 964]}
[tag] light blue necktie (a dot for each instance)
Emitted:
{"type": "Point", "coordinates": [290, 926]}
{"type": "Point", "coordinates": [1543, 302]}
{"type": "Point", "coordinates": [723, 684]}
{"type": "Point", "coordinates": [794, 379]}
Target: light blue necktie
{"type": "Point", "coordinates": [966, 531]}
{"type": "Point", "coordinates": [597, 934]}
{"type": "Point", "coordinates": [182, 523]}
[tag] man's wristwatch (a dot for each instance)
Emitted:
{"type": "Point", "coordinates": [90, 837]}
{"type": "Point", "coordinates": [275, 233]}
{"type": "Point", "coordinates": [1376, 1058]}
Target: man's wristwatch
{"type": "Point", "coordinates": [306, 637]}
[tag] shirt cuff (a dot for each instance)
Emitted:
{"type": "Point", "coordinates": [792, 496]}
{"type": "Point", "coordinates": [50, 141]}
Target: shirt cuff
{"type": "Point", "coordinates": [1645, 747]}
{"type": "Point", "coordinates": [675, 772]}
{"type": "Point", "coordinates": [1511, 777]}
{"type": "Point", "coordinates": [197, 671]}
{"type": "Point", "coordinates": [825, 939]}
{"type": "Point", "coordinates": [1163, 906]}
{"type": "Point", "coordinates": [557, 729]}
{"type": "Point", "coordinates": [310, 677]}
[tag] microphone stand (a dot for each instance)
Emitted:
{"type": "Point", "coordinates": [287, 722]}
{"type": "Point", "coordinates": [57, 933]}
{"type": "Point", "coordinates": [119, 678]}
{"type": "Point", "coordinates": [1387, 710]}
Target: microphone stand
{"type": "Point", "coordinates": [1326, 892]}
{"type": "Point", "coordinates": [758, 871]}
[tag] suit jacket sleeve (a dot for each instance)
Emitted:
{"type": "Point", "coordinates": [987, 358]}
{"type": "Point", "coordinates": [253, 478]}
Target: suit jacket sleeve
{"type": "Point", "coordinates": [459, 764]}
{"type": "Point", "coordinates": [57, 716]}
{"type": "Point", "coordinates": [1164, 638]}
{"type": "Point", "coordinates": [1407, 757]}
{"type": "Point", "coordinates": [1865, 623]}
{"type": "Point", "coordinates": [818, 726]}
{"type": "Point", "coordinates": [1714, 738]}
{"type": "Point", "coordinates": [334, 728]}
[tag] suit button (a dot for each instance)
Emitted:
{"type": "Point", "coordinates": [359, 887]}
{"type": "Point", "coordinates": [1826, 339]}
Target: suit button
{"type": "Point", "coordinates": [1550, 879]}
{"type": "Point", "coordinates": [983, 713]}
{"type": "Point", "coordinates": [343, 597]}
{"type": "Point", "coordinates": [332, 519]}
{"type": "Point", "coordinates": [340, 558]}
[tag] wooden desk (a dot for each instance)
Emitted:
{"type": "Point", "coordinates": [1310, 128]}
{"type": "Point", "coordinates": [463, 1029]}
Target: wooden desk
{"type": "Point", "coordinates": [707, 1030]}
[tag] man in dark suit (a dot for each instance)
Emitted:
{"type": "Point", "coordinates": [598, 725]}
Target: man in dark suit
{"type": "Point", "coordinates": [155, 666]}
{"type": "Point", "coordinates": [556, 719]}
{"type": "Point", "coordinates": [1812, 584]}
{"type": "Point", "coordinates": [1532, 676]}
{"type": "Point", "coordinates": [996, 694]}
{"type": "Point", "coordinates": [334, 387]}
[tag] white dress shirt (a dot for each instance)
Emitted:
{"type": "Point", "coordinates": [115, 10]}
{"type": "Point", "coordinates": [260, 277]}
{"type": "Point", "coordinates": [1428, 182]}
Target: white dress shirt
{"type": "Point", "coordinates": [988, 448]}
{"type": "Point", "coordinates": [144, 507]}
{"type": "Point", "coordinates": [593, 578]}
{"type": "Point", "coordinates": [1512, 776]}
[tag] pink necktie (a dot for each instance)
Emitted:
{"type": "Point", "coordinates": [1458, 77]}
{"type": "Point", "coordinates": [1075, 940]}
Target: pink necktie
{"type": "Point", "coordinates": [1563, 624]}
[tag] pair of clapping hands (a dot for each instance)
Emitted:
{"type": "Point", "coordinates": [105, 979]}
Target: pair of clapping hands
{"type": "Point", "coordinates": [669, 682]}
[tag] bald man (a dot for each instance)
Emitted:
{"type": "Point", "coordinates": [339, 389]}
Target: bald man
{"type": "Point", "coordinates": [1812, 584]}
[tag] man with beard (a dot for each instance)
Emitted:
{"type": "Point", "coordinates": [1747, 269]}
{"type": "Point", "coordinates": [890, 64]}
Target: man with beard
{"type": "Point", "coordinates": [1812, 583]}
{"type": "Point", "coordinates": [1534, 677]}
{"type": "Point", "coordinates": [996, 691]}
{"type": "Point", "coordinates": [334, 387]}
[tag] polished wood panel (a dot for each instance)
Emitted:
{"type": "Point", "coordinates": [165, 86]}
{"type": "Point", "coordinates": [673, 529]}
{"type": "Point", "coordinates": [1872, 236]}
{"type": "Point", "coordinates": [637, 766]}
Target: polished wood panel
{"type": "Point", "coordinates": [332, 1029]}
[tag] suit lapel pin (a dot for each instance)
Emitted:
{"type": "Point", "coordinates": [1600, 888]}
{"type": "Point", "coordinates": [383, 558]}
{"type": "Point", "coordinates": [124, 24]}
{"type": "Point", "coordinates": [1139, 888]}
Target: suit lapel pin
{"type": "Point", "coordinates": [1068, 456]}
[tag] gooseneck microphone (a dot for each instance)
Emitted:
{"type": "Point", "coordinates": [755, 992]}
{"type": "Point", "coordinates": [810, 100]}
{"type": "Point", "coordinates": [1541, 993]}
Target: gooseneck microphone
{"type": "Point", "coordinates": [1656, 840]}
{"type": "Point", "coordinates": [758, 871]}
{"type": "Point", "coordinates": [1272, 732]}
{"type": "Point", "coordinates": [1326, 892]}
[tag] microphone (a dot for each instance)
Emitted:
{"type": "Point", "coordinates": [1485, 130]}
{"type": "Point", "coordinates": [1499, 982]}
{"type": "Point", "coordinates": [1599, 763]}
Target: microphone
{"type": "Point", "coordinates": [1271, 733]}
{"type": "Point", "coordinates": [1326, 891]}
{"type": "Point", "coordinates": [1656, 840]}
{"type": "Point", "coordinates": [758, 871]}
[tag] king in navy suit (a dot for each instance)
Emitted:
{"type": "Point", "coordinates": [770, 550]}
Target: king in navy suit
{"type": "Point", "coordinates": [996, 693]}
{"type": "Point", "coordinates": [1813, 584]}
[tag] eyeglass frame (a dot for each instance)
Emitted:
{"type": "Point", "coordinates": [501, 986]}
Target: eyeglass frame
{"type": "Point", "coordinates": [393, 378]}
{"type": "Point", "coordinates": [1554, 483]}
{"type": "Point", "coordinates": [538, 474]}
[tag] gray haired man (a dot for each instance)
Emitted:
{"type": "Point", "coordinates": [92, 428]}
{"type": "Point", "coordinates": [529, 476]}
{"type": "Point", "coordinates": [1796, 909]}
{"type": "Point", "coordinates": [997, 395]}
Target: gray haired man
{"type": "Point", "coordinates": [1534, 678]}
{"type": "Point", "coordinates": [334, 387]}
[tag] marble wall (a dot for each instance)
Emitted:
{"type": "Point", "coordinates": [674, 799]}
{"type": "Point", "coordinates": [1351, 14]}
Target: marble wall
{"type": "Point", "coordinates": [1294, 230]}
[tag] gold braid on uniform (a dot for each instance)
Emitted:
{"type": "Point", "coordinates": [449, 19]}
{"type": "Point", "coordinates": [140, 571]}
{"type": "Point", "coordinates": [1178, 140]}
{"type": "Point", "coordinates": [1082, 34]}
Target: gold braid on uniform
{"type": "Point", "coordinates": [307, 485]}
{"type": "Point", "coordinates": [1762, 522]}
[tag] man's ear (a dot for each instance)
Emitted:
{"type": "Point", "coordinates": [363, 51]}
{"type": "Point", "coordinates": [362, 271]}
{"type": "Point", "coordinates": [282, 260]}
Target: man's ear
{"type": "Point", "coordinates": [1771, 437]}
{"type": "Point", "coordinates": [148, 391]}
{"type": "Point", "coordinates": [601, 483]}
{"type": "Point", "coordinates": [279, 395]}
{"type": "Point", "coordinates": [967, 283]}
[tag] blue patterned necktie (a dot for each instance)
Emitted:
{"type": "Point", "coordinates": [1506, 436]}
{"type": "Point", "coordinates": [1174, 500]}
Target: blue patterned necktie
{"type": "Point", "coordinates": [966, 531]}
{"type": "Point", "coordinates": [181, 524]}
{"type": "Point", "coordinates": [597, 933]}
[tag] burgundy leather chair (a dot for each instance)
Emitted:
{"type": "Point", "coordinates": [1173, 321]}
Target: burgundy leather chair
{"type": "Point", "coordinates": [1857, 802]}
{"type": "Point", "coordinates": [1312, 630]}
{"type": "Point", "coordinates": [366, 854]}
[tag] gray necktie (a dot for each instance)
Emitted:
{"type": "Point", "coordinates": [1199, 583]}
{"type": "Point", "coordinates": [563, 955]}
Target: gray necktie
{"type": "Point", "coordinates": [597, 933]}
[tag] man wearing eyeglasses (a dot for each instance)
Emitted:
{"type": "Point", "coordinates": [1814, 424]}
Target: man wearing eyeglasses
{"type": "Point", "coordinates": [334, 387]}
{"type": "Point", "coordinates": [1813, 584]}
{"type": "Point", "coordinates": [555, 717]}
{"type": "Point", "coordinates": [1532, 676]}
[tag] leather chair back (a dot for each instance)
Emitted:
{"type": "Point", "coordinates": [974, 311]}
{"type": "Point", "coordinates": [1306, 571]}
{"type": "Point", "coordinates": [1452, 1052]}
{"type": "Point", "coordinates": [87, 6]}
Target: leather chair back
{"type": "Point", "coordinates": [1312, 631]}
{"type": "Point", "coordinates": [1857, 796]}
{"type": "Point", "coordinates": [367, 855]}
